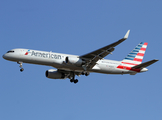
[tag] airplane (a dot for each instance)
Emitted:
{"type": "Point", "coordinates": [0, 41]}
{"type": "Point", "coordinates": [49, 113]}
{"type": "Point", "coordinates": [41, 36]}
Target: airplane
{"type": "Point", "coordinates": [68, 66]}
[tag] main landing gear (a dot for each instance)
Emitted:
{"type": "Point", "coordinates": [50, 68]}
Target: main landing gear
{"type": "Point", "coordinates": [73, 78]}
{"type": "Point", "coordinates": [22, 69]}
{"type": "Point", "coordinates": [85, 73]}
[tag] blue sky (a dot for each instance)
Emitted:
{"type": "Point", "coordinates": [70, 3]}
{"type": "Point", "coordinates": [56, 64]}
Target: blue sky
{"type": "Point", "coordinates": [79, 27]}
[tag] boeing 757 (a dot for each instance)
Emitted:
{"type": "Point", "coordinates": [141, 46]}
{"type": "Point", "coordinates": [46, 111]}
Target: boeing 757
{"type": "Point", "coordinates": [68, 66]}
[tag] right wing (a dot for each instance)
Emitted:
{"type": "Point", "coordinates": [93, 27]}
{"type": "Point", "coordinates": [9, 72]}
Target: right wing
{"type": "Point", "coordinates": [92, 57]}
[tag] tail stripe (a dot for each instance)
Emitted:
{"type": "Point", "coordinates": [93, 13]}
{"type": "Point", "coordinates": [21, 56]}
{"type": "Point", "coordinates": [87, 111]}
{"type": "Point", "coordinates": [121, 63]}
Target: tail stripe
{"type": "Point", "coordinates": [144, 49]}
{"type": "Point", "coordinates": [140, 54]}
{"type": "Point", "coordinates": [129, 63]}
{"type": "Point", "coordinates": [135, 51]}
{"type": "Point", "coordinates": [137, 59]}
{"type": "Point", "coordinates": [140, 57]}
{"type": "Point", "coordinates": [137, 48]}
{"type": "Point", "coordinates": [127, 58]}
{"type": "Point", "coordinates": [132, 56]}
{"type": "Point", "coordinates": [139, 45]}
{"type": "Point", "coordinates": [145, 44]}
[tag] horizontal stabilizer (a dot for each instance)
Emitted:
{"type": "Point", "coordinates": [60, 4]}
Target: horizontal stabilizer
{"type": "Point", "coordinates": [143, 65]}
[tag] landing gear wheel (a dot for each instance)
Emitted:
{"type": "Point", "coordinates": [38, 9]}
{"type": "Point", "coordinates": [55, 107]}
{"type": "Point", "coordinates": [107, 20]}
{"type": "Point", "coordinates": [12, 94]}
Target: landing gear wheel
{"type": "Point", "coordinates": [71, 80]}
{"type": "Point", "coordinates": [22, 69]}
{"type": "Point", "coordinates": [75, 81]}
{"type": "Point", "coordinates": [83, 73]}
{"type": "Point", "coordinates": [86, 74]}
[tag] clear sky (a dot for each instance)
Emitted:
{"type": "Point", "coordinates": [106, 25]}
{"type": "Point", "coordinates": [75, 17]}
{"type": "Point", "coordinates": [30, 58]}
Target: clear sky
{"type": "Point", "coordinates": [79, 27]}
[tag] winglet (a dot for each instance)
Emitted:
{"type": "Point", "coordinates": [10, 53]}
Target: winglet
{"type": "Point", "coordinates": [127, 34]}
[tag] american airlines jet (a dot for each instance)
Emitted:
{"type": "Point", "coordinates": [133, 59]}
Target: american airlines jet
{"type": "Point", "coordinates": [68, 66]}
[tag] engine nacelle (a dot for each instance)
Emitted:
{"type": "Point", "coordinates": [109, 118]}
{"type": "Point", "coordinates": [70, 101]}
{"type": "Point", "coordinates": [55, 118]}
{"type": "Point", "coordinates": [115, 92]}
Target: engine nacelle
{"type": "Point", "coordinates": [74, 61]}
{"type": "Point", "coordinates": [54, 74]}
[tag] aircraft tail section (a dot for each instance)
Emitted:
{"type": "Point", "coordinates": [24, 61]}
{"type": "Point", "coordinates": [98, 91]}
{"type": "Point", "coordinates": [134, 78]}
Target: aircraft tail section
{"type": "Point", "coordinates": [135, 57]}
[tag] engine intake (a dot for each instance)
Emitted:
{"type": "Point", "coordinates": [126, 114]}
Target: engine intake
{"type": "Point", "coordinates": [54, 74]}
{"type": "Point", "coordinates": [74, 61]}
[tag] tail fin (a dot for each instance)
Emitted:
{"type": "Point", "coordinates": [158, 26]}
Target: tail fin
{"type": "Point", "coordinates": [135, 57]}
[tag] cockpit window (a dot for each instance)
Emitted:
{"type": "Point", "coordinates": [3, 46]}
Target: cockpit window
{"type": "Point", "coordinates": [10, 51]}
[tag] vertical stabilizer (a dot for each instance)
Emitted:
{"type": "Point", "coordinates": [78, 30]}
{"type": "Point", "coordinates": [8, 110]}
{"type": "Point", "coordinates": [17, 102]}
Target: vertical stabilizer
{"type": "Point", "coordinates": [135, 57]}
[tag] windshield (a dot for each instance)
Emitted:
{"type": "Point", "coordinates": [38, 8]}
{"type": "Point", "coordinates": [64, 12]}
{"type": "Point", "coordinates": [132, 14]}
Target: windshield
{"type": "Point", "coordinates": [10, 51]}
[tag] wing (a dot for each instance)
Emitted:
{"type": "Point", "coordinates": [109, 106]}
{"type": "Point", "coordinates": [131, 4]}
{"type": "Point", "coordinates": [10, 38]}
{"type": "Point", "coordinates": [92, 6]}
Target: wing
{"type": "Point", "coordinates": [92, 57]}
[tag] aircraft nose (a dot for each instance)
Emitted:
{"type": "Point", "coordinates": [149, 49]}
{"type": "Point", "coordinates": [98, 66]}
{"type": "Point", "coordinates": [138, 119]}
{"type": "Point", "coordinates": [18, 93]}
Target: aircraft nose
{"type": "Point", "coordinates": [4, 56]}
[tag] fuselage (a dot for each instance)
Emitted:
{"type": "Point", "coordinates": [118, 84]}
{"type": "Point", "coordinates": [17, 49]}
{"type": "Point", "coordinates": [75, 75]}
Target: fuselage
{"type": "Point", "coordinates": [57, 60]}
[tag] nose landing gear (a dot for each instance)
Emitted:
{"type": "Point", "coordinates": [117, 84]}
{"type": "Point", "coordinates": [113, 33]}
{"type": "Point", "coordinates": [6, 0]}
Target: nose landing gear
{"type": "Point", "coordinates": [22, 69]}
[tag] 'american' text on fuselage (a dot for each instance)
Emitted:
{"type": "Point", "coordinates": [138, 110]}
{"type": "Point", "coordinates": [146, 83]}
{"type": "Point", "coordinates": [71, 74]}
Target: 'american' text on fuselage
{"type": "Point", "coordinates": [46, 55]}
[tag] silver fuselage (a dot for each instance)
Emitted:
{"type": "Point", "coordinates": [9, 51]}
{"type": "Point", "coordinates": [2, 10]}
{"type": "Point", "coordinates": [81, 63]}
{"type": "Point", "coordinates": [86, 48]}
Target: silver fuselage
{"type": "Point", "coordinates": [57, 60]}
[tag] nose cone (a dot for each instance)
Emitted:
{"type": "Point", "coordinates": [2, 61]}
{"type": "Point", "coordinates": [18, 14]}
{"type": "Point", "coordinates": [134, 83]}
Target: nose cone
{"type": "Point", "coordinates": [144, 70]}
{"type": "Point", "coordinates": [4, 56]}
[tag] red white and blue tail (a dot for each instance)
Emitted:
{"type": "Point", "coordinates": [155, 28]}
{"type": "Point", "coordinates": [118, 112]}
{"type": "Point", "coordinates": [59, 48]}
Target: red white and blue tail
{"type": "Point", "coordinates": [135, 57]}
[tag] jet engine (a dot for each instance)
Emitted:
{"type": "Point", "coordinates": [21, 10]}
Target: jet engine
{"type": "Point", "coordinates": [54, 74]}
{"type": "Point", "coordinates": [74, 61]}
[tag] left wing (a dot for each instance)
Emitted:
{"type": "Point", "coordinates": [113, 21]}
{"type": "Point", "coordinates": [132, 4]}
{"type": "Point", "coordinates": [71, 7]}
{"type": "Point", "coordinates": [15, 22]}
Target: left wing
{"type": "Point", "coordinates": [92, 57]}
